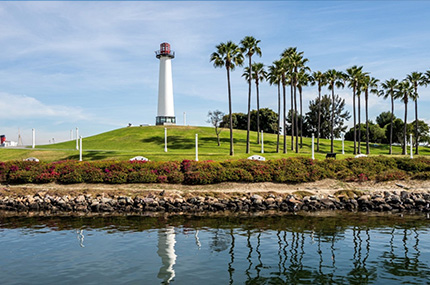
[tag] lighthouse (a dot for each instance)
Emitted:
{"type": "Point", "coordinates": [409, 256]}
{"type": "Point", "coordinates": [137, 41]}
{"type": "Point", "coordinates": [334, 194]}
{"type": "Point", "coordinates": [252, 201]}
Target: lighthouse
{"type": "Point", "coordinates": [166, 112]}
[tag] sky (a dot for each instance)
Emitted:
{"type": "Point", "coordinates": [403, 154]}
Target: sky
{"type": "Point", "coordinates": [91, 64]}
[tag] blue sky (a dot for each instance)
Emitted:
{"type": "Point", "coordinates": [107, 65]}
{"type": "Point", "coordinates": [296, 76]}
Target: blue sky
{"type": "Point", "coordinates": [92, 64]}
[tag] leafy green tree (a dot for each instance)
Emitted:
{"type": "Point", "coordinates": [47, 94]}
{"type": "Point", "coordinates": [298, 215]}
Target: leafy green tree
{"type": "Point", "coordinates": [318, 78]}
{"type": "Point", "coordinates": [228, 55]}
{"type": "Point", "coordinates": [353, 76]}
{"type": "Point", "coordinates": [423, 130]}
{"type": "Point", "coordinates": [239, 121]}
{"type": "Point", "coordinates": [389, 90]}
{"type": "Point", "coordinates": [376, 133]}
{"type": "Point", "coordinates": [416, 79]}
{"type": "Point", "coordinates": [249, 46]}
{"type": "Point", "coordinates": [334, 79]}
{"type": "Point", "coordinates": [339, 118]}
{"type": "Point", "coordinates": [215, 118]}
{"type": "Point", "coordinates": [269, 121]}
{"type": "Point", "coordinates": [385, 118]}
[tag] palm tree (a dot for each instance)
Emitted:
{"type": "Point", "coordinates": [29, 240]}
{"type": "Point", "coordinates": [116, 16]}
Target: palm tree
{"type": "Point", "coordinates": [296, 61]}
{"type": "Point", "coordinates": [334, 79]}
{"type": "Point", "coordinates": [416, 79]}
{"type": "Point", "coordinates": [390, 91]}
{"type": "Point", "coordinates": [249, 46]}
{"type": "Point", "coordinates": [303, 79]}
{"type": "Point", "coordinates": [368, 84]}
{"type": "Point", "coordinates": [259, 74]}
{"type": "Point", "coordinates": [354, 74]}
{"type": "Point", "coordinates": [404, 91]}
{"type": "Point", "coordinates": [274, 77]}
{"type": "Point", "coordinates": [318, 78]}
{"type": "Point", "coordinates": [228, 55]}
{"type": "Point", "coordinates": [286, 55]}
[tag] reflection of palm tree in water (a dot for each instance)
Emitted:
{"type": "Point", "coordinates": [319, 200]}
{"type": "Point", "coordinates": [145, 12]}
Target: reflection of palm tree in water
{"type": "Point", "coordinates": [257, 250]}
{"type": "Point", "coordinates": [231, 252]}
{"type": "Point", "coordinates": [166, 251]}
{"type": "Point", "coordinates": [249, 254]}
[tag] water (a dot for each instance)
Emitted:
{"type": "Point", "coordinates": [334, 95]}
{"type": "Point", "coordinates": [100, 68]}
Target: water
{"type": "Point", "coordinates": [338, 248]}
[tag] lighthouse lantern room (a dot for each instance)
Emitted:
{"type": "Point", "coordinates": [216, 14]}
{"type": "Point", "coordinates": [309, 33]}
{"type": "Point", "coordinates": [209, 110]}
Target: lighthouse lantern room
{"type": "Point", "coordinates": [166, 112]}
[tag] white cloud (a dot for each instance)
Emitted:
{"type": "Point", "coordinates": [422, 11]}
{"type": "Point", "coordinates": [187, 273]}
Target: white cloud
{"type": "Point", "coordinates": [20, 107]}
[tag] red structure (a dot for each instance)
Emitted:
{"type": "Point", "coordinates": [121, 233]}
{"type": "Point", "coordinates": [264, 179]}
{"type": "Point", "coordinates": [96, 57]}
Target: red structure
{"type": "Point", "coordinates": [2, 139]}
{"type": "Point", "coordinates": [165, 51]}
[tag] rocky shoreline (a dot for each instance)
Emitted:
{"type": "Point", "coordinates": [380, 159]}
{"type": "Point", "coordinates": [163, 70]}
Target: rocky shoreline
{"type": "Point", "coordinates": [381, 201]}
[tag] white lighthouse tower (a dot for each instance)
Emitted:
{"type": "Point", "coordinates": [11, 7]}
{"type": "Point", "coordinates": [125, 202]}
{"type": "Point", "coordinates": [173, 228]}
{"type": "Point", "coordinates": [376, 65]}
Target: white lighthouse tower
{"type": "Point", "coordinates": [166, 112]}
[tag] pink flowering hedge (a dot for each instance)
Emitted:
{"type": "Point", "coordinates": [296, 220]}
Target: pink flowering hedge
{"type": "Point", "coordinates": [289, 170]}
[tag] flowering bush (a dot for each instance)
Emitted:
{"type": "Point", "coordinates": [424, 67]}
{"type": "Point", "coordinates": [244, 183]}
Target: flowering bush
{"type": "Point", "coordinates": [288, 170]}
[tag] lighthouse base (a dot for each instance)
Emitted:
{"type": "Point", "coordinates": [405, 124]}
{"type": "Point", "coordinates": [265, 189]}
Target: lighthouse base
{"type": "Point", "coordinates": [163, 120]}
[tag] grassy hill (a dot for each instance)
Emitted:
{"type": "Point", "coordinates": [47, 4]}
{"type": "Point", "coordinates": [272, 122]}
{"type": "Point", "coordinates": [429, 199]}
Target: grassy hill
{"type": "Point", "coordinates": [125, 143]}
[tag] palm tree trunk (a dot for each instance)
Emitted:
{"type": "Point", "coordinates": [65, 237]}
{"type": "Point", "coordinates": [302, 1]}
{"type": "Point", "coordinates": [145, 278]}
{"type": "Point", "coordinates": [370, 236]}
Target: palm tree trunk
{"type": "Point", "coordinates": [296, 121]}
{"type": "Point", "coordinates": [332, 120]}
{"type": "Point", "coordinates": [292, 114]}
{"type": "Point", "coordinates": [258, 112]}
{"type": "Point", "coordinates": [301, 119]}
{"type": "Point", "coordinates": [355, 122]}
{"type": "Point", "coordinates": [405, 127]}
{"type": "Point", "coordinates": [284, 117]}
{"type": "Point", "coordinates": [249, 107]}
{"type": "Point", "coordinates": [391, 125]}
{"type": "Point", "coordinates": [359, 126]}
{"type": "Point", "coordinates": [319, 116]}
{"type": "Point", "coordinates": [230, 111]}
{"type": "Point", "coordinates": [279, 117]}
{"type": "Point", "coordinates": [416, 126]}
{"type": "Point", "coordinates": [366, 98]}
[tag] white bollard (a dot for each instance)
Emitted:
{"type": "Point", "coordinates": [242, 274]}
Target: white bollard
{"type": "Point", "coordinates": [312, 148]}
{"type": "Point", "coordinates": [262, 142]}
{"type": "Point", "coordinates": [412, 153]}
{"type": "Point", "coordinates": [80, 149]}
{"type": "Point", "coordinates": [34, 138]}
{"type": "Point", "coordinates": [77, 139]}
{"type": "Point", "coordinates": [165, 139]}
{"type": "Point", "coordinates": [343, 143]}
{"type": "Point", "coordinates": [197, 147]}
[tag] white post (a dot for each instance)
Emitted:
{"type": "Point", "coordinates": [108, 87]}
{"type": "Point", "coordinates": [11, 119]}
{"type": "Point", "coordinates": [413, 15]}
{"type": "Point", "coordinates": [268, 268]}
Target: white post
{"type": "Point", "coordinates": [165, 139]}
{"type": "Point", "coordinates": [185, 119]}
{"type": "Point", "coordinates": [80, 149]}
{"type": "Point", "coordinates": [343, 143]}
{"type": "Point", "coordinates": [412, 153]}
{"type": "Point", "coordinates": [262, 142]}
{"type": "Point", "coordinates": [197, 147]}
{"type": "Point", "coordinates": [312, 148]}
{"type": "Point", "coordinates": [77, 139]}
{"type": "Point", "coordinates": [34, 138]}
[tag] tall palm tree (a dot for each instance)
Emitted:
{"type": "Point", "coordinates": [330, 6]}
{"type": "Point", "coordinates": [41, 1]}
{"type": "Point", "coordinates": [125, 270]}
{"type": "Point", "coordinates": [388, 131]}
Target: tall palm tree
{"type": "Point", "coordinates": [368, 84]}
{"type": "Point", "coordinates": [259, 74]}
{"type": "Point", "coordinates": [404, 91]}
{"type": "Point", "coordinates": [354, 75]}
{"type": "Point", "coordinates": [228, 55]}
{"type": "Point", "coordinates": [318, 78]}
{"type": "Point", "coordinates": [249, 47]}
{"type": "Point", "coordinates": [297, 61]}
{"type": "Point", "coordinates": [389, 90]}
{"type": "Point", "coordinates": [286, 55]}
{"type": "Point", "coordinates": [335, 79]}
{"type": "Point", "coordinates": [303, 79]}
{"type": "Point", "coordinates": [274, 77]}
{"type": "Point", "coordinates": [416, 79]}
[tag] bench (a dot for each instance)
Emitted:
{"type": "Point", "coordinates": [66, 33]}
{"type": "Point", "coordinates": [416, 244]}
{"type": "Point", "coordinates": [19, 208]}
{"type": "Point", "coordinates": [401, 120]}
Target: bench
{"type": "Point", "coordinates": [331, 155]}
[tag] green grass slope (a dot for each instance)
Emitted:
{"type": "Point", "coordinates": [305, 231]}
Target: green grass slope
{"type": "Point", "coordinates": [125, 143]}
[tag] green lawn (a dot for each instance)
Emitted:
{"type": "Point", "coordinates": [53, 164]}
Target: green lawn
{"type": "Point", "coordinates": [125, 143]}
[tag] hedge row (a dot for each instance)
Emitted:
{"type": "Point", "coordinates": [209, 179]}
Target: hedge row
{"type": "Point", "coordinates": [290, 170]}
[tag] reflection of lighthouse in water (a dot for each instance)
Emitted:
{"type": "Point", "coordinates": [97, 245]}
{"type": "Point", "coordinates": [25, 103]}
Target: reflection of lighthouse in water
{"type": "Point", "coordinates": [166, 250]}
